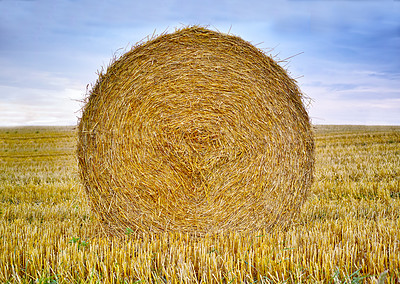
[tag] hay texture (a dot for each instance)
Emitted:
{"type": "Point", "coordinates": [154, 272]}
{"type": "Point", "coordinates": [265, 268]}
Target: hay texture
{"type": "Point", "coordinates": [196, 132]}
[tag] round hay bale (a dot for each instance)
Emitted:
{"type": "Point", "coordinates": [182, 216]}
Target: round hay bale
{"type": "Point", "coordinates": [197, 132]}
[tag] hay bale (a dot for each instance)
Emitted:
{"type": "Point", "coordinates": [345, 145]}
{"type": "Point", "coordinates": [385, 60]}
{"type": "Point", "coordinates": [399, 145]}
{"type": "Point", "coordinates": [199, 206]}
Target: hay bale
{"type": "Point", "coordinates": [198, 132]}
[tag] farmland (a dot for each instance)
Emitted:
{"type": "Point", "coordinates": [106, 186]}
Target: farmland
{"type": "Point", "coordinates": [348, 230]}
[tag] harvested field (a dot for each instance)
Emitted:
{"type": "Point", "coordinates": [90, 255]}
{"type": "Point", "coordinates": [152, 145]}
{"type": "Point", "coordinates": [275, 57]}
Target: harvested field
{"type": "Point", "coordinates": [348, 229]}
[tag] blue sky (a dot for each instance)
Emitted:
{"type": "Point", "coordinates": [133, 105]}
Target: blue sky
{"type": "Point", "coordinates": [349, 63]}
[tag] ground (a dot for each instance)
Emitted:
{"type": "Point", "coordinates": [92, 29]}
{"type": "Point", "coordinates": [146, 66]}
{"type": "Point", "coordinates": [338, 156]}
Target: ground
{"type": "Point", "coordinates": [347, 231]}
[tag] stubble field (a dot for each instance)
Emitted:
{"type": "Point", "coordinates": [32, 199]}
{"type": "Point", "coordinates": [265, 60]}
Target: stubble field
{"type": "Point", "coordinates": [347, 232]}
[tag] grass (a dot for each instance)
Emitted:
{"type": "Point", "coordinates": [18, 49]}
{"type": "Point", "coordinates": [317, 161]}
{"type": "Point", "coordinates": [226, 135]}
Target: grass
{"type": "Point", "coordinates": [348, 230]}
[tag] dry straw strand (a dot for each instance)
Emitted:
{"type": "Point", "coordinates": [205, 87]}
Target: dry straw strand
{"type": "Point", "coordinates": [195, 131]}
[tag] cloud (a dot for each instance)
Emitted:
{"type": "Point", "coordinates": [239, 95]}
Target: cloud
{"type": "Point", "coordinates": [370, 111]}
{"type": "Point", "coordinates": [353, 97]}
{"type": "Point", "coordinates": [39, 107]}
{"type": "Point", "coordinates": [29, 97]}
{"type": "Point", "coordinates": [50, 50]}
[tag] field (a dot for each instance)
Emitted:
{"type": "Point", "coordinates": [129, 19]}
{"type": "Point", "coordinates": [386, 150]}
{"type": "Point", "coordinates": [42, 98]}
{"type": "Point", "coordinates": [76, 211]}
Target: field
{"type": "Point", "coordinates": [348, 230]}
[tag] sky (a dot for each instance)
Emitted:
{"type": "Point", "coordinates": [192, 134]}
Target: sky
{"type": "Point", "coordinates": [345, 55]}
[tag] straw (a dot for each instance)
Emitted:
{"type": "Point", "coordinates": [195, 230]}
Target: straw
{"type": "Point", "coordinates": [198, 132]}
